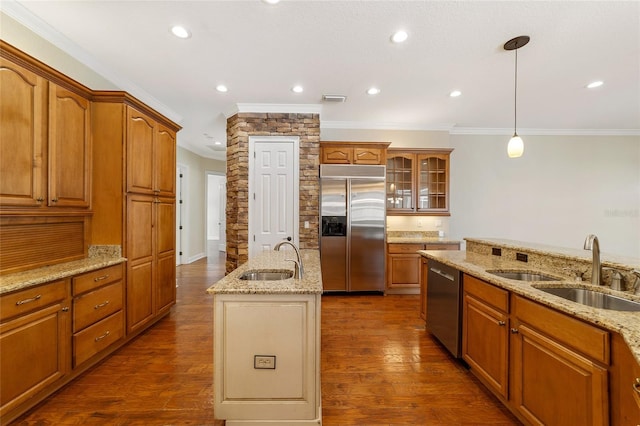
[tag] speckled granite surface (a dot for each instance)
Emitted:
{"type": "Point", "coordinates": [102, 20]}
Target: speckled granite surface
{"type": "Point", "coordinates": [311, 282]}
{"type": "Point", "coordinates": [627, 324]}
{"type": "Point", "coordinates": [417, 237]}
{"type": "Point", "coordinates": [99, 257]}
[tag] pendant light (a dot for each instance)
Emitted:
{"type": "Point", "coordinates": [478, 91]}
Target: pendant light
{"type": "Point", "coordinates": [515, 148]}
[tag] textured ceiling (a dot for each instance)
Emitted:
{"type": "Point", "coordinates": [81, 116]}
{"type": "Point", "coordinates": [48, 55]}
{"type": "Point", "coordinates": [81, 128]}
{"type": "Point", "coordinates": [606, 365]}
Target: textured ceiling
{"type": "Point", "coordinates": [342, 47]}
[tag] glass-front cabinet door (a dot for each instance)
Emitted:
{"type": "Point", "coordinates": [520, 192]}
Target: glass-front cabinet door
{"type": "Point", "coordinates": [400, 182]}
{"type": "Point", "coordinates": [418, 181]}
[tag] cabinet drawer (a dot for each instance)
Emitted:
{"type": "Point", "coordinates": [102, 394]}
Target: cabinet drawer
{"type": "Point", "coordinates": [95, 279]}
{"type": "Point", "coordinates": [442, 246]}
{"type": "Point", "coordinates": [404, 248]}
{"type": "Point", "coordinates": [591, 341]}
{"type": "Point", "coordinates": [494, 296]}
{"type": "Point", "coordinates": [32, 298]}
{"type": "Point", "coordinates": [93, 339]}
{"type": "Point", "coordinates": [96, 305]}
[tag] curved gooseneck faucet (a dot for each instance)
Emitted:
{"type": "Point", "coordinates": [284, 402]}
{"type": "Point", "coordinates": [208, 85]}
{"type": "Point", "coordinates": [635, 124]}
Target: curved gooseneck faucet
{"type": "Point", "coordinates": [591, 243]}
{"type": "Point", "coordinates": [298, 263]}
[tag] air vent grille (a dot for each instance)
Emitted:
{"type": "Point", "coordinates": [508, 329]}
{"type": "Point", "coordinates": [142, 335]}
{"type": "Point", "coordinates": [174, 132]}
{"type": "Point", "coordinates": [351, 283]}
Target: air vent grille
{"type": "Point", "coordinates": [334, 98]}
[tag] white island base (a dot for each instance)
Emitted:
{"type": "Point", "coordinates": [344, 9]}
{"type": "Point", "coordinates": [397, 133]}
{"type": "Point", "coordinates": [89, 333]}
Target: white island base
{"type": "Point", "coordinates": [267, 350]}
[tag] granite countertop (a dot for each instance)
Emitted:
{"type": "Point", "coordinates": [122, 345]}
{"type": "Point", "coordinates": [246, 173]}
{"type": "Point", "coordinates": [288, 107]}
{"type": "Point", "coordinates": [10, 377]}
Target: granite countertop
{"type": "Point", "coordinates": [627, 324]}
{"type": "Point", "coordinates": [33, 277]}
{"type": "Point", "coordinates": [417, 237]}
{"type": "Point", "coordinates": [311, 282]}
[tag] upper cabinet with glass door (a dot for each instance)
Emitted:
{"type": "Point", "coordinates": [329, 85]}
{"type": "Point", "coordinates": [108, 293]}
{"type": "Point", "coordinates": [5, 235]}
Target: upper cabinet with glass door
{"type": "Point", "coordinates": [418, 181]}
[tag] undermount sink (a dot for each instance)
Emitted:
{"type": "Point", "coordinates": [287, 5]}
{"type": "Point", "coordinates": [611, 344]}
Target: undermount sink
{"type": "Point", "coordinates": [524, 276]}
{"type": "Point", "coordinates": [266, 275]}
{"type": "Point", "coordinates": [594, 299]}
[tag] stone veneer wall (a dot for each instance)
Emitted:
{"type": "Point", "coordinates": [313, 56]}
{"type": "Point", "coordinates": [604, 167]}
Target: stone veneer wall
{"type": "Point", "coordinates": [239, 128]}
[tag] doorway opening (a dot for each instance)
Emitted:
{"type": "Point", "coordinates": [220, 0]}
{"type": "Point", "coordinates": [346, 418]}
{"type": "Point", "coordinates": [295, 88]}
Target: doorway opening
{"type": "Point", "coordinates": [216, 213]}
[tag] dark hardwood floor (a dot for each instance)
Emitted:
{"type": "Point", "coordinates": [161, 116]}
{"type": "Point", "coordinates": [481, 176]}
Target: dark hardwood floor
{"type": "Point", "coordinates": [379, 367]}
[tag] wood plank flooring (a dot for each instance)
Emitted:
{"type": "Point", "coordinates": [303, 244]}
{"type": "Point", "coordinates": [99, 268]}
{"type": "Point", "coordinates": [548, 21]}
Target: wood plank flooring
{"type": "Point", "coordinates": [379, 367]}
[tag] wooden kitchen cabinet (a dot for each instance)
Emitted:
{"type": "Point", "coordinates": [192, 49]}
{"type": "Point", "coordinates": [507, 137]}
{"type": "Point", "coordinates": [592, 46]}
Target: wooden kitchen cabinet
{"type": "Point", "coordinates": [98, 319]}
{"type": "Point", "coordinates": [403, 266]}
{"type": "Point", "coordinates": [153, 146]}
{"type": "Point", "coordinates": [485, 333]}
{"type": "Point", "coordinates": [424, 272]}
{"type": "Point", "coordinates": [45, 154]}
{"type": "Point", "coordinates": [151, 254]}
{"type": "Point", "coordinates": [624, 384]}
{"type": "Point", "coordinates": [558, 368]}
{"type": "Point", "coordinates": [353, 152]}
{"type": "Point", "coordinates": [23, 143]}
{"type": "Point", "coordinates": [418, 181]}
{"type": "Point", "coordinates": [34, 343]}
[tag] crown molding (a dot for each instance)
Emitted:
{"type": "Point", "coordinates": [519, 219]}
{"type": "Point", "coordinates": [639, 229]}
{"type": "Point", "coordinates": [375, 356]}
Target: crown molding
{"type": "Point", "coordinates": [274, 109]}
{"type": "Point", "coordinates": [41, 28]}
{"type": "Point", "coordinates": [371, 125]}
{"type": "Point", "coordinates": [545, 132]}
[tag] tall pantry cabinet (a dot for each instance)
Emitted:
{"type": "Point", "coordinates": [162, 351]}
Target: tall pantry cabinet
{"type": "Point", "coordinates": [134, 199]}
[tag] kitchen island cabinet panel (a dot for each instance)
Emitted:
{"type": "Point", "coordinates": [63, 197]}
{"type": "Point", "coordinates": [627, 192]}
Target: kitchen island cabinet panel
{"type": "Point", "coordinates": [485, 333]}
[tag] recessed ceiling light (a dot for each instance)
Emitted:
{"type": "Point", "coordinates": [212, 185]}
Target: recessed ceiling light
{"type": "Point", "coordinates": [595, 84]}
{"type": "Point", "coordinates": [373, 91]}
{"type": "Point", "coordinates": [217, 143]}
{"type": "Point", "coordinates": [297, 89]}
{"type": "Point", "coordinates": [180, 32]}
{"type": "Point", "coordinates": [399, 36]}
{"type": "Point", "coordinates": [222, 88]}
{"type": "Point", "coordinates": [271, 1]}
{"type": "Point", "coordinates": [455, 93]}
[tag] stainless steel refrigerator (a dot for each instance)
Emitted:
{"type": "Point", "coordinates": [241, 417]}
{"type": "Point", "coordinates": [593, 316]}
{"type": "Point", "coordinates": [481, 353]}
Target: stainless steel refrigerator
{"type": "Point", "coordinates": [353, 222]}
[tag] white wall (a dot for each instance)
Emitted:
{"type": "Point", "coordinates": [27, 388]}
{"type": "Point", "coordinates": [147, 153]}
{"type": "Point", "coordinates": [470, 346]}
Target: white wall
{"type": "Point", "coordinates": [194, 209]}
{"type": "Point", "coordinates": [560, 190]}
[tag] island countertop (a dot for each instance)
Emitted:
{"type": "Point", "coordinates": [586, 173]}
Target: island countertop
{"type": "Point", "coordinates": [627, 324]}
{"type": "Point", "coordinates": [311, 282]}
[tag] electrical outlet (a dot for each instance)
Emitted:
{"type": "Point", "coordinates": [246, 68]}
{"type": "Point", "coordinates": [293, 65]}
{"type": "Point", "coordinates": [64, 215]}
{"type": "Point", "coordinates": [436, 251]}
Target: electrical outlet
{"type": "Point", "coordinates": [306, 224]}
{"type": "Point", "coordinates": [419, 224]}
{"type": "Point", "coordinates": [522, 257]}
{"type": "Point", "coordinates": [438, 223]}
{"type": "Point", "coordinates": [264, 362]}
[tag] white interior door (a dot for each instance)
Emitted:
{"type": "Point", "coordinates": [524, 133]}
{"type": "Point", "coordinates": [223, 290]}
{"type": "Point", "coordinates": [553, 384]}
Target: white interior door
{"type": "Point", "coordinates": [273, 191]}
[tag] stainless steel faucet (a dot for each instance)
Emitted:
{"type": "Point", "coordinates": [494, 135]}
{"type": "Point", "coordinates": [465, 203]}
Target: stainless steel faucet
{"type": "Point", "coordinates": [299, 269]}
{"type": "Point", "coordinates": [591, 243]}
{"type": "Point", "coordinates": [636, 285]}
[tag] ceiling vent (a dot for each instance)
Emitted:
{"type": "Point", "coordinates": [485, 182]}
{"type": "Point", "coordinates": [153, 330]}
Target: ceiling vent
{"type": "Point", "coordinates": [334, 98]}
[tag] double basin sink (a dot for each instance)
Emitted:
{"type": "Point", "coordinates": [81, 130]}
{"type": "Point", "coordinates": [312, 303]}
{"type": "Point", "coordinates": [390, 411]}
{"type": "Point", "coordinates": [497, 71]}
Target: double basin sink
{"type": "Point", "coordinates": [580, 295]}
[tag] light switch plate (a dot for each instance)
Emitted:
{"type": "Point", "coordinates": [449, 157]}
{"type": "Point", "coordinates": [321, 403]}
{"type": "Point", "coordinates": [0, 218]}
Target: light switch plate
{"type": "Point", "coordinates": [264, 362]}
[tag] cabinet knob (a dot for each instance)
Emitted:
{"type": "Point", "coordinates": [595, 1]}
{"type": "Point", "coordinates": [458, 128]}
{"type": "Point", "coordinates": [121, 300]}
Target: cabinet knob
{"type": "Point", "coordinates": [65, 309]}
{"type": "Point", "coordinates": [514, 331]}
{"type": "Point", "coordinates": [502, 323]}
{"type": "Point", "coordinates": [39, 199]}
{"type": "Point", "coordinates": [636, 385]}
{"type": "Point", "coordinates": [54, 200]}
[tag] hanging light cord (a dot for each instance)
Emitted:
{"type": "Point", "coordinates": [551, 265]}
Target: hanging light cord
{"type": "Point", "coordinates": [515, 96]}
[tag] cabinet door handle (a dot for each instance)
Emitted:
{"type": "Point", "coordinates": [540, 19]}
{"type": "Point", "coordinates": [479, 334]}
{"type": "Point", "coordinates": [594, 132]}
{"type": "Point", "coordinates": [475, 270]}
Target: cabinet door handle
{"type": "Point", "coordinates": [502, 323]}
{"type": "Point", "coordinates": [101, 305]}
{"type": "Point", "coordinates": [636, 385]}
{"type": "Point", "coordinates": [54, 200]}
{"type": "Point", "coordinates": [514, 331]}
{"type": "Point", "coordinates": [97, 339]}
{"type": "Point", "coordinates": [104, 277]}
{"type": "Point", "coordinates": [65, 309]}
{"type": "Point", "coordinates": [32, 299]}
{"type": "Point", "coordinates": [39, 199]}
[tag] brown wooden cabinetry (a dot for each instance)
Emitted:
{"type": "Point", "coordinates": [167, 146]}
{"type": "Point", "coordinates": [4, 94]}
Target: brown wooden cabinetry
{"type": "Point", "coordinates": [418, 181]}
{"type": "Point", "coordinates": [552, 353]}
{"type": "Point", "coordinates": [353, 152]}
{"type": "Point", "coordinates": [23, 143]}
{"type": "Point", "coordinates": [45, 152]}
{"type": "Point", "coordinates": [98, 319]}
{"type": "Point", "coordinates": [403, 265]}
{"type": "Point", "coordinates": [485, 333]}
{"type": "Point", "coordinates": [34, 343]}
{"type": "Point", "coordinates": [624, 384]}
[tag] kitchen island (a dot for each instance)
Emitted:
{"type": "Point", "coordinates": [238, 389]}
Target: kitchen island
{"type": "Point", "coordinates": [528, 346]}
{"type": "Point", "coordinates": [267, 343]}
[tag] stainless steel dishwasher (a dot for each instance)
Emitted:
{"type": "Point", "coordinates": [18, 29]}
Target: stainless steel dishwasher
{"type": "Point", "coordinates": [444, 305]}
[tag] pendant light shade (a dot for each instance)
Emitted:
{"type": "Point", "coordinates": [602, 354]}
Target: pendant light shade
{"type": "Point", "coordinates": [515, 148]}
